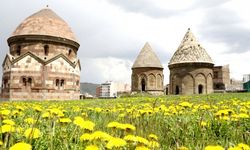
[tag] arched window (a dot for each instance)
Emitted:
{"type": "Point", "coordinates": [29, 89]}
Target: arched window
{"type": "Point", "coordinates": [24, 81]}
{"type": "Point", "coordinates": [29, 81]}
{"type": "Point", "coordinates": [5, 83]}
{"type": "Point", "coordinates": [46, 50]}
{"type": "Point", "coordinates": [77, 82]}
{"type": "Point", "coordinates": [18, 50]}
{"type": "Point", "coordinates": [57, 82]}
{"type": "Point", "coordinates": [62, 82]}
{"type": "Point", "coordinates": [70, 51]}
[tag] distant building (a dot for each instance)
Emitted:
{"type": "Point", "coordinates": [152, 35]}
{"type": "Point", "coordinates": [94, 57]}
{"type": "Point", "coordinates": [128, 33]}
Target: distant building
{"type": "Point", "coordinates": [98, 91]}
{"type": "Point", "coordinates": [246, 77]}
{"type": "Point", "coordinates": [235, 85]}
{"type": "Point", "coordinates": [123, 88]}
{"type": "Point", "coordinates": [106, 90]}
{"type": "Point", "coordinates": [221, 78]}
{"type": "Point", "coordinates": [166, 89]}
{"type": "Point", "coordinates": [111, 89]}
{"type": "Point", "coordinates": [147, 72]}
{"type": "Point", "coordinates": [86, 96]}
{"type": "Point", "coordinates": [246, 86]}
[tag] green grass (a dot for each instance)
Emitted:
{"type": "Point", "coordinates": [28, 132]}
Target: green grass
{"type": "Point", "coordinates": [175, 125]}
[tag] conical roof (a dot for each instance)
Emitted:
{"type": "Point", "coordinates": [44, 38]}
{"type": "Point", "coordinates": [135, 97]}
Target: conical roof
{"type": "Point", "coordinates": [147, 58]}
{"type": "Point", "coordinates": [190, 51]}
{"type": "Point", "coordinates": [45, 22]}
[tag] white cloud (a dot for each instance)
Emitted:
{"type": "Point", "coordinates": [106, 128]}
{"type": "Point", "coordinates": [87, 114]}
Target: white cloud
{"type": "Point", "coordinates": [99, 70]}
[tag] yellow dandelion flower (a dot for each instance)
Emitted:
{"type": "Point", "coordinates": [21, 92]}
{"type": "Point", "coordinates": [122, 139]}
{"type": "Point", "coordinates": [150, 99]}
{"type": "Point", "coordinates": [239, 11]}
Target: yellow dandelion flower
{"type": "Point", "coordinates": [46, 115]}
{"type": "Point", "coordinates": [92, 147]}
{"type": "Point", "coordinates": [15, 113]}
{"type": "Point", "coordinates": [203, 124]}
{"type": "Point", "coordinates": [1, 143]}
{"type": "Point", "coordinates": [32, 133]}
{"type": "Point", "coordinates": [243, 115]}
{"type": "Point", "coordinates": [128, 127]}
{"type": "Point", "coordinates": [78, 120]}
{"type": "Point", "coordinates": [142, 140]}
{"type": "Point", "coordinates": [153, 137]}
{"type": "Point", "coordinates": [19, 108]}
{"type": "Point", "coordinates": [76, 109]}
{"type": "Point", "coordinates": [186, 104]}
{"type": "Point", "coordinates": [64, 120]}
{"type": "Point", "coordinates": [214, 148]}
{"type": "Point", "coordinates": [115, 143]}
{"type": "Point", "coordinates": [243, 146]}
{"type": "Point", "coordinates": [86, 137]}
{"type": "Point", "coordinates": [97, 109]}
{"type": "Point", "coordinates": [21, 146]}
{"type": "Point", "coordinates": [84, 114]}
{"type": "Point", "coordinates": [30, 121]}
{"type": "Point", "coordinates": [7, 128]}
{"type": "Point", "coordinates": [153, 144]}
{"type": "Point", "coordinates": [56, 112]}
{"type": "Point", "coordinates": [243, 110]}
{"type": "Point", "coordinates": [182, 148]}
{"type": "Point", "coordinates": [101, 135]}
{"type": "Point", "coordinates": [5, 112]}
{"type": "Point", "coordinates": [121, 115]}
{"type": "Point", "coordinates": [89, 125]}
{"type": "Point", "coordinates": [9, 122]}
{"type": "Point", "coordinates": [113, 125]}
{"type": "Point", "coordinates": [141, 148]}
{"type": "Point", "coordinates": [38, 108]}
{"type": "Point", "coordinates": [130, 138]}
{"type": "Point", "coordinates": [19, 129]}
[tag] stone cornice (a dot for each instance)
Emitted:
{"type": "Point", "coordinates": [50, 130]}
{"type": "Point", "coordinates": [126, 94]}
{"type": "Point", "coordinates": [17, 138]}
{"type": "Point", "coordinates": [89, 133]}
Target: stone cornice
{"type": "Point", "coordinates": [45, 38]}
{"type": "Point", "coordinates": [194, 64]}
{"type": "Point", "coordinates": [5, 59]}
{"type": "Point", "coordinates": [136, 68]}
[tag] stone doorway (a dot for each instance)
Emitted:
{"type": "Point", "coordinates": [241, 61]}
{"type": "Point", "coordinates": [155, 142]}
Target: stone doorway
{"type": "Point", "coordinates": [177, 90]}
{"type": "Point", "coordinates": [143, 85]}
{"type": "Point", "coordinates": [200, 89]}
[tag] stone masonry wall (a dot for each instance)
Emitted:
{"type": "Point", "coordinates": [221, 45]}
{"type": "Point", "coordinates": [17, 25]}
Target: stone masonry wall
{"type": "Point", "coordinates": [26, 77]}
{"type": "Point", "coordinates": [187, 79]}
{"type": "Point", "coordinates": [153, 79]}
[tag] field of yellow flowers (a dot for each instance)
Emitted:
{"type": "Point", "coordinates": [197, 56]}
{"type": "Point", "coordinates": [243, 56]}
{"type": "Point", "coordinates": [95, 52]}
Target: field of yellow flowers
{"type": "Point", "coordinates": [208, 122]}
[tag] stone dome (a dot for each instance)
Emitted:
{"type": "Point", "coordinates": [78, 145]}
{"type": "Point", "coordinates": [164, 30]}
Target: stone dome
{"type": "Point", "coordinates": [45, 22]}
{"type": "Point", "coordinates": [190, 51]}
{"type": "Point", "coordinates": [147, 58]}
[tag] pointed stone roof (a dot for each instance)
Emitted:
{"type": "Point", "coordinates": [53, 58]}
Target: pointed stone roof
{"type": "Point", "coordinates": [45, 22]}
{"type": "Point", "coordinates": [190, 51]}
{"type": "Point", "coordinates": [147, 58]}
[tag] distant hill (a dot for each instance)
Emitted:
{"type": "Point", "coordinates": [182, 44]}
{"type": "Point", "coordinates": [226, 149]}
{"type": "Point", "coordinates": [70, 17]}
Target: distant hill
{"type": "Point", "coordinates": [88, 88]}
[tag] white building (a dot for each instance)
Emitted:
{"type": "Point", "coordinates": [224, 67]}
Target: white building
{"type": "Point", "coordinates": [235, 85]}
{"type": "Point", "coordinates": [110, 89]}
{"type": "Point", "coordinates": [246, 77]}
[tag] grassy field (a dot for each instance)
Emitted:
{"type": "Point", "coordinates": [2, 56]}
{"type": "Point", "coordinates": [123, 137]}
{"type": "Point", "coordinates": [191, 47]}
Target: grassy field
{"type": "Point", "coordinates": [218, 121]}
